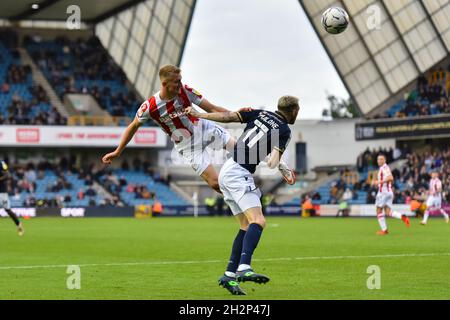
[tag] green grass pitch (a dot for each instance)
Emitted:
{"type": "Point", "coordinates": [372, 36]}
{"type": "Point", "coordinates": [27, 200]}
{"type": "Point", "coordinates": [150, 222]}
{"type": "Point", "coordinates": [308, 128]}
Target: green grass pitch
{"type": "Point", "coordinates": [182, 258]}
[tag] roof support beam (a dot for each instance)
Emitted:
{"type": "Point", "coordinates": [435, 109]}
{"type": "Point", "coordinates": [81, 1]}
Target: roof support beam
{"type": "Point", "coordinates": [26, 14]}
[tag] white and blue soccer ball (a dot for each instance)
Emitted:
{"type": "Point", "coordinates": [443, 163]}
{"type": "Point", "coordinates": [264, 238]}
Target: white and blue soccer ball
{"type": "Point", "coordinates": [335, 20]}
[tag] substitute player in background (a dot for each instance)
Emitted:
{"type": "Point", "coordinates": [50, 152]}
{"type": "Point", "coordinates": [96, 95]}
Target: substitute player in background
{"type": "Point", "coordinates": [434, 200]}
{"type": "Point", "coordinates": [385, 196]}
{"type": "Point", "coordinates": [4, 199]}
{"type": "Point", "coordinates": [266, 133]}
{"type": "Point", "coordinates": [167, 108]}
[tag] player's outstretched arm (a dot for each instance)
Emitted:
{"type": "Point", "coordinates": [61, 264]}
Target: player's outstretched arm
{"type": "Point", "coordinates": [225, 117]}
{"type": "Point", "coordinates": [124, 140]}
{"type": "Point", "coordinates": [210, 108]}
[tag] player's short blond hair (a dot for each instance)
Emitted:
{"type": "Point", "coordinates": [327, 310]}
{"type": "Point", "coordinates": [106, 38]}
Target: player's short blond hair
{"type": "Point", "coordinates": [287, 103]}
{"type": "Point", "coordinates": [168, 71]}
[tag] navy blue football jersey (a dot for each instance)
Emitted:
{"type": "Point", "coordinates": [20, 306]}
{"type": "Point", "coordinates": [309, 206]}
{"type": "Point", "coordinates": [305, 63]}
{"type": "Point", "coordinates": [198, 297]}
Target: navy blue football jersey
{"type": "Point", "coordinates": [265, 131]}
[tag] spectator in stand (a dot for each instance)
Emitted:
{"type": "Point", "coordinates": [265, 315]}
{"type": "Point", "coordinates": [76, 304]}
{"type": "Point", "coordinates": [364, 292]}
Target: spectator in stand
{"type": "Point", "coordinates": [91, 192]}
{"type": "Point", "coordinates": [145, 193]}
{"type": "Point", "coordinates": [80, 194]}
{"type": "Point", "coordinates": [347, 195]}
{"type": "Point", "coordinates": [5, 87]}
{"type": "Point", "coordinates": [333, 193]}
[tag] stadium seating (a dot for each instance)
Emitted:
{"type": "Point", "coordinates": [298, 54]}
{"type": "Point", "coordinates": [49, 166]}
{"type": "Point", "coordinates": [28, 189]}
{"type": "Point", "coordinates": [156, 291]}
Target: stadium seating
{"type": "Point", "coordinates": [56, 187]}
{"type": "Point", "coordinates": [20, 101]}
{"type": "Point", "coordinates": [431, 97]}
{"type": "Point", "coordinates": [139, 178]}
{"type": "Point", "coordinates": [84, 66]}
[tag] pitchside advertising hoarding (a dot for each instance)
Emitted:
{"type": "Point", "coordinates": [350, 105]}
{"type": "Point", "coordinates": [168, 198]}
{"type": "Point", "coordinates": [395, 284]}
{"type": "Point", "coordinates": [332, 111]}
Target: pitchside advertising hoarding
{"type": "Point", "coordinates": [402, 128]}
{"type": "Point", "coordinates": [144, 211]}
{"type": "Point", "coordinates": [76, 136]}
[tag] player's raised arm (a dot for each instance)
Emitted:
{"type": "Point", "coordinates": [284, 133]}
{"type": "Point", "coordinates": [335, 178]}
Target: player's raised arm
{"type": "Point", "coordinates": [225, 117]}
{"type": "Point", "coordinates": [124, 140]}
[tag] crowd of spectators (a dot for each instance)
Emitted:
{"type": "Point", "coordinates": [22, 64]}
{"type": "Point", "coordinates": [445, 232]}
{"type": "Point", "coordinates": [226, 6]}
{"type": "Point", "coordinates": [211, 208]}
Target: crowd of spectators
{"type": "Point", "coordinates": [24, 179]}
{"type": "Point", "coordinates": [367, 160]}
{"type": "Point", "coordinates": [23, 110]}
{"type": "Point", "coordinates": [411, 181]}
{"type": "Point", "coordinates": [414, 177]}
{"type": "Point", "coordinates": [431, 96]}
{"type": "Point", "coordinates": [82, 60]}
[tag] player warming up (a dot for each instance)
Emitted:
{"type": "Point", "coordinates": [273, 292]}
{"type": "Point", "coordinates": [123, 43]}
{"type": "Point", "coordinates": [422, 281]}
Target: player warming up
{"type": "Point", "coordinates": [434, 198]}
{"type": "Point", "coordinates": [190, 135]}
{"type": "Point", "coordinates": [265, 138]}
{"type": "Point", "coordinates": [4, 199]}
{"type": "Point", "coordinates": [385, 196]}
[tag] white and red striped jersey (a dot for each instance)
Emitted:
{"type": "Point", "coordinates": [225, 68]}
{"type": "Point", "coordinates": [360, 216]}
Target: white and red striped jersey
{"type": "Point", "coordinates": [435, 187]}
{"type": "Point", "coordinates": [170, 115]}
{"type": "Point", "coordinates": [383, 173]}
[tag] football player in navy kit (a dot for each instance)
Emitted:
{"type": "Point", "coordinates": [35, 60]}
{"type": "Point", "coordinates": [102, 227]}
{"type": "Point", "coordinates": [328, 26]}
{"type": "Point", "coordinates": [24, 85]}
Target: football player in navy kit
{"type": "Point", "coordinates": [4, 198]}
{"type": "Point", "coordinates": [265, 138]}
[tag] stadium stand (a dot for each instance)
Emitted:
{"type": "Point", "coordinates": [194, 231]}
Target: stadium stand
{"type": "Point", "coordinates": [430, 97]}
{"type": "Point", "coordinates": [21, 102]}
{"type": "Point", "coordinates": [410, 181]}
{"type": "Point", "coordinates": [63, 184]}
{"type": "Point", "coordinates": [139, 187]}
{"type": "Point", "coordinates": [84, 66]}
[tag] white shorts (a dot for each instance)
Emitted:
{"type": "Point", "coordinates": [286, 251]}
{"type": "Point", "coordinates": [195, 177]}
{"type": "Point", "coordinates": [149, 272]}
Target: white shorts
{"type": "Point", "coordinates": [434, 202]}
{"type": "Point", "coordinates": [384, 200]}
{"type": "Point", "coordinates": [194, 150]}
{"type": "Point", "coordinates": [238, 187]}
{"type": "Point", "coordinates": [4, 201]}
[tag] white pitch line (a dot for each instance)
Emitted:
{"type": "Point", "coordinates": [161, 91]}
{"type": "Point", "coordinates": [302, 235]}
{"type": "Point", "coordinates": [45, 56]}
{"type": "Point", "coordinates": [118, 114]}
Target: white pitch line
{"type": "Point", "coordinates": [222, 261]}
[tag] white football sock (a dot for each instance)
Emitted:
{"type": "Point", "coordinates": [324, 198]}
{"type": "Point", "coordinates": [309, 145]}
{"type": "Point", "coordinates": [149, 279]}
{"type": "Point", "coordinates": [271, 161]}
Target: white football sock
{"type": "Point", "coordinates": [425, 217]}
{"type": "Point", "coordinates": [230, 274]}
{"type": "Point", "coordinates": [243, 267]}
{"type": "Point", "coordinates": [382, 221]}
{"type": "Point", "coordinates": [444, 214]}
{"type": "Point", "coordinates": [396, 215]}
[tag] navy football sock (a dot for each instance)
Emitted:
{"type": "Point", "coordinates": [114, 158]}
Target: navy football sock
{"type": "Point", "coordinates": [236, 251]}
{"type": "Point", "coordinates": [251, 240]}
{"type": "Point", "coordinates": [13, 216]}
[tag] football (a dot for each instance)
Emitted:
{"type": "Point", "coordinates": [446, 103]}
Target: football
{"type": "Point", "coordinates": [335, 20]}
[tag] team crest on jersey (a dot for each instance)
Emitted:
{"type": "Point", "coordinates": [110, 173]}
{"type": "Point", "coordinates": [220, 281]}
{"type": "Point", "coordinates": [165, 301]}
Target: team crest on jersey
{"type": "Point", "coordinates": [143, 108]}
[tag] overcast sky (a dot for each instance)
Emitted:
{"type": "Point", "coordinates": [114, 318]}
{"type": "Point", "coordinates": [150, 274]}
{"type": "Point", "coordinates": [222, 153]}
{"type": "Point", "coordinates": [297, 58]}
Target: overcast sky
{"type": "Point", "coordinates": [251, 52]}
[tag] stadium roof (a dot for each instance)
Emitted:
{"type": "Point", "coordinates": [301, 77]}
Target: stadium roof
{"type": "Point", "coordinates": [378, 62]}
{"type": "Point", "coordinates": [56, 10]}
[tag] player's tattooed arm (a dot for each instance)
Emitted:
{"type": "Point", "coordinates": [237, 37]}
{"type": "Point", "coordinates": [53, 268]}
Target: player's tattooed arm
{"type": "Point", "coordinates": [228, 116]}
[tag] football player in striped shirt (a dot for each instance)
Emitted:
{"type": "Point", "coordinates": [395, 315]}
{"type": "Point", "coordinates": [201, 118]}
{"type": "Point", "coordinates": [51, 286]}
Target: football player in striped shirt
{"type": "Point", "coordinates": [385, 196]}
{"type": "Point", "coordinates": [434, 200]}
{"type": "Point", "coordinates": [190, 135]}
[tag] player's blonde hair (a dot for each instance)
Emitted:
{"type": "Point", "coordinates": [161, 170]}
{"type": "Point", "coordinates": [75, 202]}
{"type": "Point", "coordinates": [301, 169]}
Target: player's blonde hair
{"type": "Point", "coordinates": [287, 103]}
{"type": "Point", "coordinates": [168, 71]}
